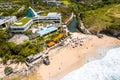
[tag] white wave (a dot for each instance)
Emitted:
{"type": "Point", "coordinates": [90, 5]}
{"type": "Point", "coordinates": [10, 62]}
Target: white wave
{"type": "Point", "coordinates": [107, 68]}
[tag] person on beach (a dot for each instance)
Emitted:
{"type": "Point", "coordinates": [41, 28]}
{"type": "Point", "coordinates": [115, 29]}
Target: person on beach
{"type": "Point", "coordinates": [59, 68]}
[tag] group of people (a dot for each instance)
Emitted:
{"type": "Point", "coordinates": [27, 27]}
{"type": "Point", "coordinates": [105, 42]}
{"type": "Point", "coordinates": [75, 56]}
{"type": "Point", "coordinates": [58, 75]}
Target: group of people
{"type": "Point", "coordinates": [74, 41]}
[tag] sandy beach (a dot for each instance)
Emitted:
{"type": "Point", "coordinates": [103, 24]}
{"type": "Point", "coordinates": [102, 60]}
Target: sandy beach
{"type": "Point", "coordinates": [65, 59]}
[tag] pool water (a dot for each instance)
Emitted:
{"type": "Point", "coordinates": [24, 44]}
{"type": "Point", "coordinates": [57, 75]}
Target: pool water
{"type": "Point", "coordinates": [47, 30]}
{"type": "Point", "coordinates": [73, 25]}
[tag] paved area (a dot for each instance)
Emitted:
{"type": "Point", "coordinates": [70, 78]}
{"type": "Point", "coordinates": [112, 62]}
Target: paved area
{"type": "Point", "coordinates": [19, 38]}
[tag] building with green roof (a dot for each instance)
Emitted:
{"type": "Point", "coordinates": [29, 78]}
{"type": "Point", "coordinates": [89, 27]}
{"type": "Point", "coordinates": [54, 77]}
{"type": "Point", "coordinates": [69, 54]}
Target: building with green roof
{"type": "Point", "coordinates": [23, 24]}
{"type": "Point", "coordinates": [31, 16]}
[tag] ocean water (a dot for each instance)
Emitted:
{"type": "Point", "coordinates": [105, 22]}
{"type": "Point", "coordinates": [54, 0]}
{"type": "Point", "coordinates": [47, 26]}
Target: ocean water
{"type": "Point", "coordinates": [107, 68]}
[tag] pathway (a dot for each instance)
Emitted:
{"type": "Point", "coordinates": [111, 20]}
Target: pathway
{"type": "Point", "coordinates": [66, 21]}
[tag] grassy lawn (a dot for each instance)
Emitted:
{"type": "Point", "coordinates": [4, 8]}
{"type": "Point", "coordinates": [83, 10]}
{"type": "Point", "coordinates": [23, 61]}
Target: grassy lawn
{"type": "Point", "coordinates": [66, 2]}
{"type": "Point", "coordinates": [115, 11]}
{"type": "Point", "coordinates": [44, 14]}
{"type": "Point", "coordinates": [101, 18]}
{"type": "Point", "coordinates": [22, 22]}
{"type": "Point", "coordinates": [1, 26]}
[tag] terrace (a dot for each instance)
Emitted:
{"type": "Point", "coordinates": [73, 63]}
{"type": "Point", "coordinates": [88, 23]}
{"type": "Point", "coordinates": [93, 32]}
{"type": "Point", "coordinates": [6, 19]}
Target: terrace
{"type": "Point", "coordinates": [44, 14]}
{"type": "Point", "coordinates": [51, 44]}
{"type": "Point", "coordinates": [55, 40]}
{"type": "Point", "coordinates": [58, 37]}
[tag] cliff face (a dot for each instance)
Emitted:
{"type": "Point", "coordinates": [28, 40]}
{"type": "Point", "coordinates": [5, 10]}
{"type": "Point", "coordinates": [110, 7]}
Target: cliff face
{"type": "Point", "coordinates": [111, 32]}
{"type": "Point", "coordinates": [105, 19]}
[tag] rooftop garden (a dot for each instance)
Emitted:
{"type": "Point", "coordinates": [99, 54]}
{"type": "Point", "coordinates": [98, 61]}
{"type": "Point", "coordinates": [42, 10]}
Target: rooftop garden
{"type": "Point", "coordinates": [44, 14]}
{"type": "Point", "coordinates": [66, 2]}
{"type": "Point", "coordinates": [22, 22]}
{"type": "Point", "coordinates": [1, 26]}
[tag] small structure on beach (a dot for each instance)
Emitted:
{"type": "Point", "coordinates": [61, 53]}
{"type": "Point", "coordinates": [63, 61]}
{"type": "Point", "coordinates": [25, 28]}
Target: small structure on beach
{"type": "Point", "coordinates": [100, 35]}
{"type": "Point", "coordinates": [51, 44]}
{"type": "Point", "coordinates": [8, 70]}
{"type": "Point", "coordinates": [46, 60]}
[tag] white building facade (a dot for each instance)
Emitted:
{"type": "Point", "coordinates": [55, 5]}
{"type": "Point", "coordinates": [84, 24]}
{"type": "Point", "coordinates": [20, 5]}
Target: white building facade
{"type": "Point", "coordinates": [51, 17]}
{"type": "Point", "coordinates": [7, 21]}
{"type": "Point", "coordinates": [32, 15]}
{"type": "Point", "coordinates": [21, 29]}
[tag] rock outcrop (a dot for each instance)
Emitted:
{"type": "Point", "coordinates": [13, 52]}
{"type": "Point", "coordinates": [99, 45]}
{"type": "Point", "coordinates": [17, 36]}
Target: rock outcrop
{"type": "Point", "coordinates": [83, 28]}
{"type": "Point", "coordinates": [111, 32]}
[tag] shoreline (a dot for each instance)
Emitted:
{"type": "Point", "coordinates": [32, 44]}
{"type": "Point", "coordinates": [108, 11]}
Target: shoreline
{"type": "Point", "coordinates": [101, 51]}
{"type": "Point", "coordinates": [97, 56]}
{"type": "Point", "coordinates": [69, 59]}
{"type": "Point", "coordinates": [98, 69]}
{"type": "Point", "coordinates": [66, 59]}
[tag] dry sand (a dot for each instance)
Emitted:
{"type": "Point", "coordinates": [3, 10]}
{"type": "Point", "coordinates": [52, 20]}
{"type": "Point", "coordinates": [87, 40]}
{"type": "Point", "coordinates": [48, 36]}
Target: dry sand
{"type": "Point", "coordinates": [66, 59]}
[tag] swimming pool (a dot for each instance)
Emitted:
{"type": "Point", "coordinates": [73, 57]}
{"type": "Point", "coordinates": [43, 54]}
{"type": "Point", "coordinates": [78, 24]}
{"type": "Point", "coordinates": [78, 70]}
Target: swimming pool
{"type": "Point", "coordinates": [47, 30]}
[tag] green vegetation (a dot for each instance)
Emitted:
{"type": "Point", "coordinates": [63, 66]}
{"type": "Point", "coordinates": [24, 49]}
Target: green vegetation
{"type": "Point", "coordinates": [1, 26]}
{"type": "Point", "coordinates": [44, 14]}
{"type": "Point", "coordinates": [37, 6]}
{"type": "Point", "coordinates": [66, 2]}
{"type": "Point", "coordinates": [96, 14]}
{"type": "Point", "coordinates": [102, 18]}
{"type": "Point", "coordinates": [28, 32]}
{"type": "Point", "coordinates": [9, 50]}
{"type": "Point", "coordinates": [22, 22]}
{"type": "Point", "coordinates": [47, 38]}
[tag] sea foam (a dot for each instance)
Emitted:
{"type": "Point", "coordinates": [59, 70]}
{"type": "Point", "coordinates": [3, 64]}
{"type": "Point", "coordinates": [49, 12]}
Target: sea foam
{"type": "Point", "coordinates": [107, 68]}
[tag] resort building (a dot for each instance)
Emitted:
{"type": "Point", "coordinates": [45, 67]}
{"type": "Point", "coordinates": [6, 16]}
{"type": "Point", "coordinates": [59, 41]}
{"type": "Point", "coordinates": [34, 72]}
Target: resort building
{"type": "Point", "coordinates": [6, 21]}
{"type": "Point", "coordinates": [6, 5]}
{"type": "Point", "coordinates": [23, 24]}
{"type": "Point", "coordinates": [53, 2]}
{"type": "Point", "coordinates": [31, 16]}
{"type": "Point", "coordinates": [51, 17]}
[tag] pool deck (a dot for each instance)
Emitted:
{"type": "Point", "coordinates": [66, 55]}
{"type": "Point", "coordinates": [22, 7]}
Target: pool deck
{"type": "Point", "coordinates": [47, 30]}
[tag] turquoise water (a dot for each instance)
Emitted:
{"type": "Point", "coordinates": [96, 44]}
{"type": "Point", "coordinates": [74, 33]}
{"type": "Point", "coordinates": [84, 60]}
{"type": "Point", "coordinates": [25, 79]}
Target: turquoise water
{"type": "Point", "coordinates": [47, 30]}
{"type": "Point", "coordinates": [73, 25]}
{"type": "Point", "coordinates": [107, 68]}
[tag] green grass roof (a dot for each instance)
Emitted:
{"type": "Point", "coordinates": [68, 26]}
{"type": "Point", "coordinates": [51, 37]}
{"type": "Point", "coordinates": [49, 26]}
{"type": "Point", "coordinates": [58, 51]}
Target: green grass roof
{"type": "Point", "coordinates": [66, 2]}
{"type": "Point", "coordinates": [44, 14]}
{"type": "Point", "coordinates": [22, 22]}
